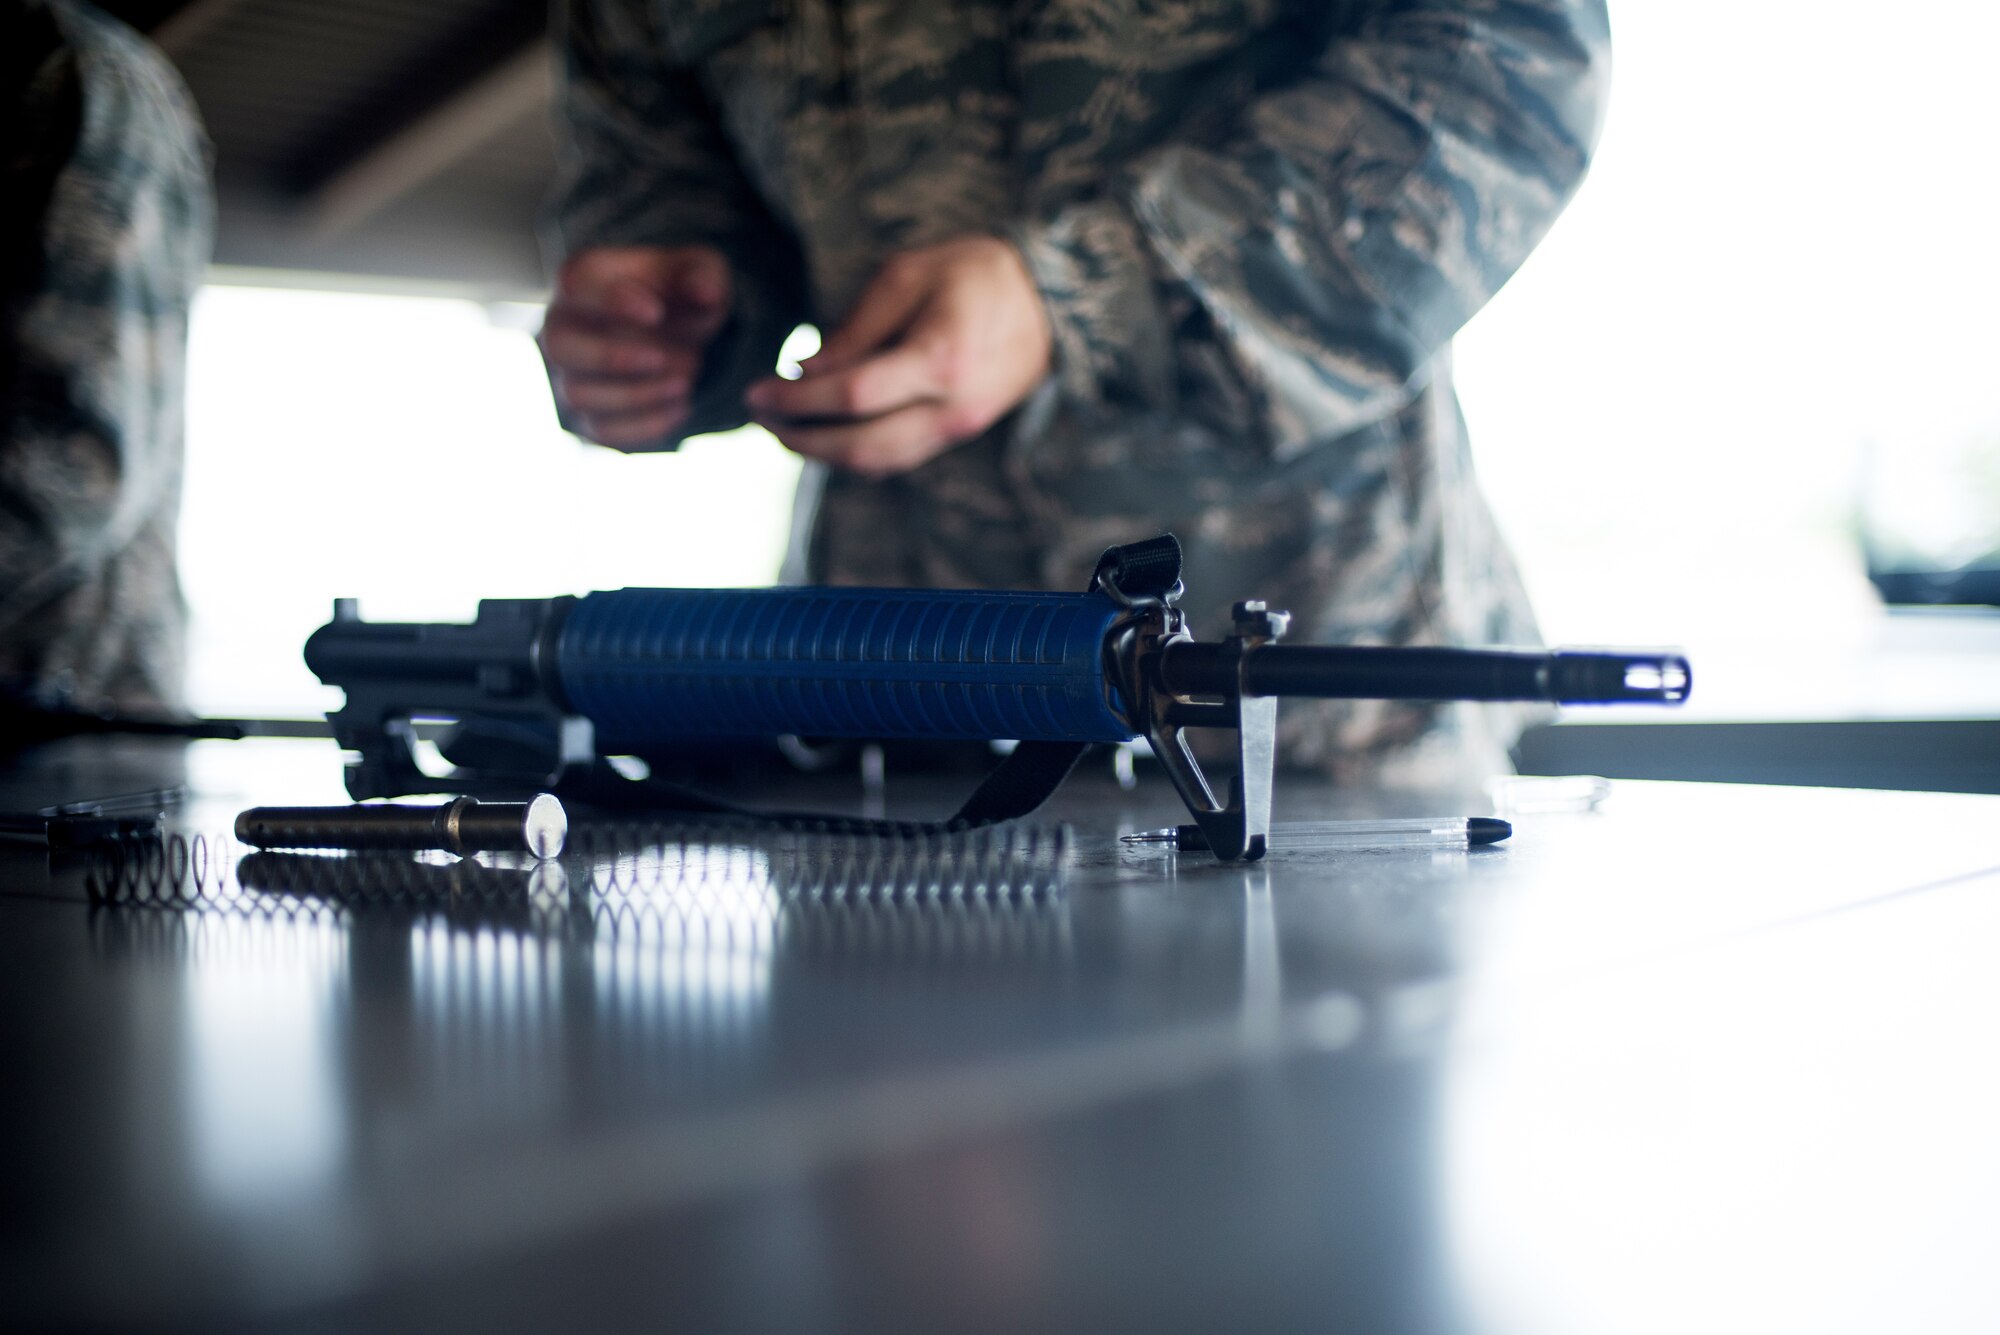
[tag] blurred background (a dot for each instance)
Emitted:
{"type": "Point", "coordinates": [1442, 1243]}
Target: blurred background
{"type": "Point", "coordinates": [1752, 367]}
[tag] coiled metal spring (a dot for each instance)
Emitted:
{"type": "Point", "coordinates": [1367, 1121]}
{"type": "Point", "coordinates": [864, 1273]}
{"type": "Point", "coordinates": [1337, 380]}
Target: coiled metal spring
{"type": "Point", "coordinates": [628, 862]}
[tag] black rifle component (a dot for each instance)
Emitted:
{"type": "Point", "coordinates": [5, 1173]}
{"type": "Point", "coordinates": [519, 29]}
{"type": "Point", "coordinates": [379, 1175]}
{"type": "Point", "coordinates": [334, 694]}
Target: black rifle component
{"type": "Point", "coordinates": [638, 670]}
{"type": "Point", "coordinates": [464, 826]}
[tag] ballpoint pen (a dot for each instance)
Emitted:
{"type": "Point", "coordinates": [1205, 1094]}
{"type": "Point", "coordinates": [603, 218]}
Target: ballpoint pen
{"type": "Point", "coordinates": [1437, 832]}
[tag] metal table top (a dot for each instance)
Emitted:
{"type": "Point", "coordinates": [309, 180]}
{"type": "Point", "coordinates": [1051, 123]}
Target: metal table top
{"type": "Point", "coordinates": [1707, 1057]}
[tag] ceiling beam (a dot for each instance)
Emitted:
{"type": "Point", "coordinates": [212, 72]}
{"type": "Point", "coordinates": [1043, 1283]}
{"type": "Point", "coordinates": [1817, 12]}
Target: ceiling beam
{"type": "Point", "coordinates": [424, 114]}
{"type": "Point", "coordinates": [185, 24]}
{"type": "Point", "coordinates": [148, 16]}
{"type": "Point", "coordinates": [428, 146]}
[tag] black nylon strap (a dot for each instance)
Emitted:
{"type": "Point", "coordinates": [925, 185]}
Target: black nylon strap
{"type": "Point", "coordinates": [1020, 783]}
{"type": "Point", "coordinates": [1016, 787]}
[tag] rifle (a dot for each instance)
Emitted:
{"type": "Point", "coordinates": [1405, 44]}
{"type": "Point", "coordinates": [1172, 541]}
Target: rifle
{"type": "Point", "coordinates": [639, 671]}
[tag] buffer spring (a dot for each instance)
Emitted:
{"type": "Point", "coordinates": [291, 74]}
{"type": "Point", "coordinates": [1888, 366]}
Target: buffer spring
{"type": "Point", "coordinates": [604, 864]}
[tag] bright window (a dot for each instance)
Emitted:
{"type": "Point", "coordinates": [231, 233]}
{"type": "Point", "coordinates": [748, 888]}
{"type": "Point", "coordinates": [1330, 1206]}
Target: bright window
{"type": "Point", "coordinates": [404, 450]}
{"type": "Point", "coordinates": [1768, 321]}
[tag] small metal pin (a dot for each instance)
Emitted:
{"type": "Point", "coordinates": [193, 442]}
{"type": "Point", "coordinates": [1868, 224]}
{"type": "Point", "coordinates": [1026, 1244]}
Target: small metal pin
{"type": "Point", "coordinates": [463, 826]}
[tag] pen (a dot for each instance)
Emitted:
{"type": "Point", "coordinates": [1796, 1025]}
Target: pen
{"type": "Point", "coordinates": [1442, 832]}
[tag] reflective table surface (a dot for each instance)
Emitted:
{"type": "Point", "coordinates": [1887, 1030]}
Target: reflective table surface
{"type": "Point", "coordinates": [1706, 1057]}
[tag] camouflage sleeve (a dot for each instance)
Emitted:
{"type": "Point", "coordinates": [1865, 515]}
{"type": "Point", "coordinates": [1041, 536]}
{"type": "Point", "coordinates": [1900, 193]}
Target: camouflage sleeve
{"type": "Point", "coordinates": [645, 162]}
{"type": "Point", "coordinates": [90, 466]}
{"type": "Point", "coordinates": [1294, 274]}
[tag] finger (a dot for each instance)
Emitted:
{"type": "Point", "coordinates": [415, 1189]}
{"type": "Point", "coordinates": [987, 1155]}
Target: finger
{"type": "Point", "coordinates": [886, 307]}
{"type": "Point", "coordinates": [592, 394]}
{"type": "Point", "coordinates": [626, 431]}
{"type": "Point", "coordinates": [633, 303]}
{"type": "Point", "coordinates": [903, 375]}
{"type": "Point", "coordinates": [581, 347]}
{"type": "Point", "coordinates": [591, 278]}
{"type": "Point", "coordinates": [678, 365]}
{"type": "Point", "coordinates": [622, 303]}
{"type": "Point", "coordinates": [894, 443]}
{"type": "Point", "coordinates": [700, 296]}
{"type": "Point", "coordinates": [703, 277]}
{"type": "Point", "coordinates": [686, 287]}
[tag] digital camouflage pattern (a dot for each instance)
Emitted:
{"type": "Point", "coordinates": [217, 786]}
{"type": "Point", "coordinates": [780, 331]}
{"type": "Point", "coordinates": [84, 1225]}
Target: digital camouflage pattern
{"type": "Point", "coordinates": [1256, 225]}
{"type": "Point", "coordinates": [109, 227]}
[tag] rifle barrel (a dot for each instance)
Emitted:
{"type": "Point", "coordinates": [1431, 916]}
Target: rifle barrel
{"type": "Point", "coordinates": [1336, 672]}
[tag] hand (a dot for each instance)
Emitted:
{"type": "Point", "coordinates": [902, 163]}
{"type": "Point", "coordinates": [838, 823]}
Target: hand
{"type": "Point", "coordinates": [943, 343]}
{"type": "Point", "coordinates": [625, 334]}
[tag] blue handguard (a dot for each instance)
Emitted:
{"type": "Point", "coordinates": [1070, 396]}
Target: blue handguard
{"type": "Point", "coordinates": [558, 683]}
{"type": "Point", "coordinates": [650, 667]}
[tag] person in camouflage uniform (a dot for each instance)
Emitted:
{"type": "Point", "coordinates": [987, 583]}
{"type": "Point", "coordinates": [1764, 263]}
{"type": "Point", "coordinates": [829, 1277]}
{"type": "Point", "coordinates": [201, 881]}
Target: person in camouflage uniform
{"type": "Point", "coordinates": [1246, 231]}
{"type": "Point", "coordinates": [107, 224]}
